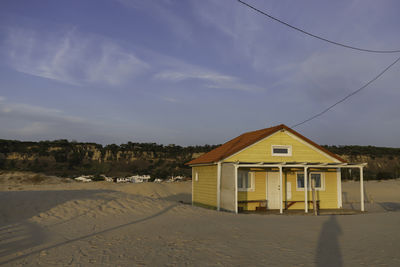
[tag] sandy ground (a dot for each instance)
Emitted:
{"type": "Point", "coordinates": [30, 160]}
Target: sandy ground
{"type": "Point", "coordinates": [51, 223]}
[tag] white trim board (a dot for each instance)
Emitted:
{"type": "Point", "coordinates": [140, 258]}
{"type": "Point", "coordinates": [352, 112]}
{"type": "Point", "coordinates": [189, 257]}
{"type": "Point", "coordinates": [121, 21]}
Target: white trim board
{"type": "Point", "coordinates": [236, 188]}
{"type": "Point", "coordinates": [284, 165]}
{"type": "Point", "coordinates": [202, 164]}
{"type": "Point", "coordinates": [192, 185]}
{"type": "Point", "coordinates": [219, 170]}
{"type": "Point", "coordinates": [339, 187]}
{"type": "Point", "coordinates": [288, 147]}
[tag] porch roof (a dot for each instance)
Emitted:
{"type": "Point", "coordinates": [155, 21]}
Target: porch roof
{"type": "Point", "coordinates": [299, 164]}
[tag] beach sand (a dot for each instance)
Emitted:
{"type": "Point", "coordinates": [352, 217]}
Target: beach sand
{"type": "Point", "coordinates": [52, 223]}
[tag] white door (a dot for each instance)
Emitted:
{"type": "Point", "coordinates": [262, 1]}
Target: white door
{"type": "Point", "coordinates": [273, 190]}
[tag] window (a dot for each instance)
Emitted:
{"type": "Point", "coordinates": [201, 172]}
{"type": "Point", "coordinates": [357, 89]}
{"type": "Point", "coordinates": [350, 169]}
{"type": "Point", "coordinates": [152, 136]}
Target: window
{"type": "Point", "coordinates": [245, 180]}
{"type": "Point", "coordinates": [196, 176]}
{"type": "Point", "coordinates": [283, 151]}
{"type": "Point", "coordinates": [317, 177]}
{"type": "Point", "coordinates": [300, 180]}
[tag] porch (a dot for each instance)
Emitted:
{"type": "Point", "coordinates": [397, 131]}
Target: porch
{"type": "Point", "coordinates": [282, 186]}
{"type": "Point", "coordinates": [301, 212]}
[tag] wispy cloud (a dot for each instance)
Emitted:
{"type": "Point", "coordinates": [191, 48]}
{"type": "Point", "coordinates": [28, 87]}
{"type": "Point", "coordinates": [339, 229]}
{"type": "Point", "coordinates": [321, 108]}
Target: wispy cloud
{"type": "Point", "coordinates": [33, 128]}
{"type": "Point", "coordinates": [263, 43]}
{"type": "Point", "coordinates": [170, 99]}
{"type": "Point", "coordinates": [177, 76]}
{"type": "Point", "coordinates": [325, 77]}
{"type": "Point", "coordinates": [71, 57]}
{"type": "Point", "coordinates": [210, 14]}
{"type": "Point", "coordinates": [245, 32]}
{"type": "Point", "coordinates": [34, 122]}
{"type": "Point", "coordinates": [163, 10]}
{"type": "Point", "coordinates": [211, 79]}
{"type": "Point", "coordinates": [38, 113]}
{"type": "Point", "coordinates": [115, 66]}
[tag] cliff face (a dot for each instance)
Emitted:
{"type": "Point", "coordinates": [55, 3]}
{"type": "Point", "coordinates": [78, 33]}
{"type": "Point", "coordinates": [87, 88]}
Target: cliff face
{"type": "Point", "coordinates": [91, 153]}
{"type": "Point", "coordinates": [69, 158]}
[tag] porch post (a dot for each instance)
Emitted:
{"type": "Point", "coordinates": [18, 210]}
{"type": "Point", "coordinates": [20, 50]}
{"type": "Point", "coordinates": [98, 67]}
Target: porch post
{"type": "Point", "coordinates": [193, 173]}
{"type": "Point", "coordinates": [339, 187]}
{"type": "Point", "coordinates": [362, 187]}
{"type": "Point", "coordinates": [305, 190]}
{"type": "Point", "coordinates": [280, 190]}
{"type": "Point", "coordinates": [218, 186]}
{"type": "Point", "coordinates": [236, 188]}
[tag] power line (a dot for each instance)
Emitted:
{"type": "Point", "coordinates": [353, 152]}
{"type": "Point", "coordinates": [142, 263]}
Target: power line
{"type": "Point", "coordinates": [316, 36]}
{"type": "Point", "coordinates": [349, 95]}
{"type": "Point", "coordinates": [335, 43]}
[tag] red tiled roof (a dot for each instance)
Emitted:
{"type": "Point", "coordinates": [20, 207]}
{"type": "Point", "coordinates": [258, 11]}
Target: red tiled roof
{"type": "Point", "coordinates": [247, 139]}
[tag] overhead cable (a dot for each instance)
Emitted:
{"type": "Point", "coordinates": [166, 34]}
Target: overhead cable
{"type": "Point", "coordinates": [316, 36]}
{"type": "Point", "coordinates": [348, 96]}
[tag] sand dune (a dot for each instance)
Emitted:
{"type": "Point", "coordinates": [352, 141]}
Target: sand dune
{"type": "Point", "coordinates": [105, 224]}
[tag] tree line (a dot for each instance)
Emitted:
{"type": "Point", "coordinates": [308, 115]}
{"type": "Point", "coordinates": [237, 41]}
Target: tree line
{"type": "Point", "coordinates": [70, 158]}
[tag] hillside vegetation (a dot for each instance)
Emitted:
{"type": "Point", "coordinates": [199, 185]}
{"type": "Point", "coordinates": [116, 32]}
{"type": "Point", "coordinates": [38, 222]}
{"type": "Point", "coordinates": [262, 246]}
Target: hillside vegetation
{"type": "Point", "coordinates": [64, 158]}
{"type": "Point", "coordinates": [67, 159]}
{"type": "Point", "coordinates": [383, 162]}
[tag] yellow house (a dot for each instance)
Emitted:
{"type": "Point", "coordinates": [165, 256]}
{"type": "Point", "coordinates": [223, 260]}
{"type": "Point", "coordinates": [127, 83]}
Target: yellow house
{"type": "Point", "coordinates": [274, 168]}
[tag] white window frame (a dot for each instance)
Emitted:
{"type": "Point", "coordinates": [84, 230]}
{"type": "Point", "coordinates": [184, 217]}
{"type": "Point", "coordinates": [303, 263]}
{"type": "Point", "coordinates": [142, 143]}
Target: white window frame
{"type": "Point", "coordinates": [289, 149]}
{"type": "Point", "coordinates": [196, 176]}
{"type": "Point", "coordinates": [322, 175]}
{"type": "Point", "coordinates": [251, 175]}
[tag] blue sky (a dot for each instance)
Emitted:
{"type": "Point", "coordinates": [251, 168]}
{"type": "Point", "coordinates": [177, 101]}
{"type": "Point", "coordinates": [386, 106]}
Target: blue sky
{"type": "Point", "coordinates": [196, 72]}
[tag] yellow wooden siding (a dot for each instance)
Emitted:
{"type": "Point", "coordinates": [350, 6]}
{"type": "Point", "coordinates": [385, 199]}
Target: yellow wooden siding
{"type": "Point", "coordinates": [261, 151]}
{"type": "Point", "coordinates": [327, 197]}
{"type": "Point", "coordinates": [257, 194]}
{"type": "Point", "coordinates": [205, 189]}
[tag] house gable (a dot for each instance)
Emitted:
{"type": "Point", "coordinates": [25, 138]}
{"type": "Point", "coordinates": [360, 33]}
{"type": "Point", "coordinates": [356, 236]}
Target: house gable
{"type": "Point", "coordinates": [301, 150]}
{"type": "Point", "coordinates": [232, 148]}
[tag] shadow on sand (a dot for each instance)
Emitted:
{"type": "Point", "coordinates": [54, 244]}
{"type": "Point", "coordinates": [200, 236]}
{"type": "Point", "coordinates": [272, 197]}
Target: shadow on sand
{"type": "Point", "coordinates": [390, 206]}
{"type": "Point", "coordinates": [182, 198]}
{"type": "Point", "coordinates": [18, 237]}
{"type": "Point", "coordinates": [87, 236]}
{"type": "Point", "coordinates": [328, 248]}
{"type": "Point", "coordinates": [18, 234]}
{"type": "Point", "coordinates": [32, 203]}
